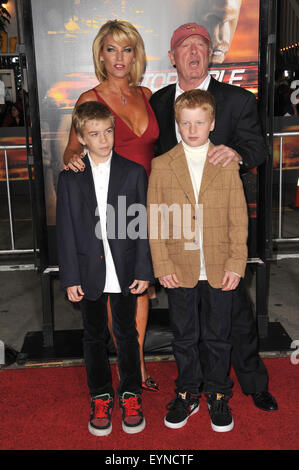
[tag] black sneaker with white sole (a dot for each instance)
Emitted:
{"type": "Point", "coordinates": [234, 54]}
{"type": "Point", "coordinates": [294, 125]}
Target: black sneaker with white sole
{"type": "Point", "coordinates": [180, 409]}
{"type": "Point", "coordinates": [220, 413]}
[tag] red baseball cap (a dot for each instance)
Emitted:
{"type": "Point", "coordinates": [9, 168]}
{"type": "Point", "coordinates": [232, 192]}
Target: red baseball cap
{"type": "Point", "coordinates": [186, 30]}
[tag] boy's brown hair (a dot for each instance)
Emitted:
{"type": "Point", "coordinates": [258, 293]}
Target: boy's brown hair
{"type": "Point", "coordinates": [88, 111]}
{"type": "Point", "coordinates": [195, 99]}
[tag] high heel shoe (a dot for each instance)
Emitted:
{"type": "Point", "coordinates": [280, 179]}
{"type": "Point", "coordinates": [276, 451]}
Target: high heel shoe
{"type": "Point", "coordinates": [150, 385]}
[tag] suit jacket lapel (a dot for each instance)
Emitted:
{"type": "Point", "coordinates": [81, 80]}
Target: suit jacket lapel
{"type": "Point", "coordinates": [180, 168]}
{"type": "Point", "coordinates": [209, 173]}
{"type": "Point", "coordinates": [217, 93]}
{"type": "Point", "coordinates": [167, 120]}
{"type": "Point", "coordinates": [85, 181]}
{"type": "Point", "coordinates": [215, 90]}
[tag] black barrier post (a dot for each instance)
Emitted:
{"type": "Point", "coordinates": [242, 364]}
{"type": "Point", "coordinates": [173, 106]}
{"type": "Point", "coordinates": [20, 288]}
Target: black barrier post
{"type": "Point", "coordinates": [271, 334]}
{"type": "Point", "coordinates": [266, 73]}
{"type": "Point", "coordinates": [264, 170]}
{"type": "Point", "coordinates": [27, 53]}
{"type": "Point", "coordinates": [24, 12]}
{"type": "Point", "coordinates": [261, 300]}
{"type": "Point", "coordinates": [48, 315]}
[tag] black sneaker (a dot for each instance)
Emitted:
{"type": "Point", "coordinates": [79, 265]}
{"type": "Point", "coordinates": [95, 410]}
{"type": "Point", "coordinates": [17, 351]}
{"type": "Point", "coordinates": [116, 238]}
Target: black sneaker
{"type": "Point", "coordinates": [100, 417]}
{"type": "Point", "coordinates": [180, 409]}
{"type": "Point", "coordinates": [133, 420]}
{"type": "Point", "coordinates": [220, 413]}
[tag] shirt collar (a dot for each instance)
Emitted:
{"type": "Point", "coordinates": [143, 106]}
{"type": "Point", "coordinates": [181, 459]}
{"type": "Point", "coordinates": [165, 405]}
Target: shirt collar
{"type": "Point", "coordinates": [105, 165]}
{"type": "Point", "coordinates": [203, 86]}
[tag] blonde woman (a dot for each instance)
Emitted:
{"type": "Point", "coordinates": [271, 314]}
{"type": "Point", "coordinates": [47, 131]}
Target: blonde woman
{"type": "Point", "coordinates": [120, 61]}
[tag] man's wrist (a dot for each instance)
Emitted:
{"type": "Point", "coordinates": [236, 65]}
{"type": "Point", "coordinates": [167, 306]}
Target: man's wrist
{"type": "Point", "coordinates": [240, 160]}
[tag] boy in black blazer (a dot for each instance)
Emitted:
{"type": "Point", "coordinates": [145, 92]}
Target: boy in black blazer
{"type": "Point", "coordinates": [100, 254]}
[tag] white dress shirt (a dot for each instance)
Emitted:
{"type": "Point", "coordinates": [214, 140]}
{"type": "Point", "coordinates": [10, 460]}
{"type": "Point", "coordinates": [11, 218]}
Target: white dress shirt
{"type": "Point", "coordinates": [178, 91]}
{"type": "Point", "coordinates": [196, 157]}
{"type": "Point", "coordinates": [101, 174]}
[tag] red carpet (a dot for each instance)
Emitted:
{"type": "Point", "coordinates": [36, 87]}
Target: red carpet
{"type": "Point", "coordinates": [48, 409]}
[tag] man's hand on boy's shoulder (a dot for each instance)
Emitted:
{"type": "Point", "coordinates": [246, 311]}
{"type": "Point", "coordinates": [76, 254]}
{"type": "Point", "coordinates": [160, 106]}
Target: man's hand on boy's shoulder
{"type": "Point", "coordinates": [230, 281]}
{"type": "Point", "coordinates": [75, 293]}
{"type": "Point", "coordinates": [138, 286]}
{"type": "Point", "coordinates": [223, 154]}
{"type": "Point", "coordinates": [170, 281]}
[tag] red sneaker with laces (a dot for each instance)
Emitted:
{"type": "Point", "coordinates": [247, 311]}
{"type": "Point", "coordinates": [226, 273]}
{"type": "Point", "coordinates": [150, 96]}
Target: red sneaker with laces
{"type": "Point", "coordinates": [100, 417]}
{"type": "Point", "coordinates": [133, 419]}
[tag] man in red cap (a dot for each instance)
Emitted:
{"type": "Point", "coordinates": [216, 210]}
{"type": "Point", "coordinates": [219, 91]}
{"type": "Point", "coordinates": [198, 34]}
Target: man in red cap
{"type": "Point", "coordinates": [236, 137]}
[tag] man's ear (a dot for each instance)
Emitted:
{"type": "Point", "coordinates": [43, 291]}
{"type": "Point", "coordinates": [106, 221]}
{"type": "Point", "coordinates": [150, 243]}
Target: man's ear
{"type": "Point", "coordinates": [171, 56]}
{"type": "Point", "coordinates": [212, 125]}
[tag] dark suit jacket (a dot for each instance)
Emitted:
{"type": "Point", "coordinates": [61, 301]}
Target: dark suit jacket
{"type": "Point", "coordinates": [236, 125]}
{"type": "Point", "coordinates": [80, 251]}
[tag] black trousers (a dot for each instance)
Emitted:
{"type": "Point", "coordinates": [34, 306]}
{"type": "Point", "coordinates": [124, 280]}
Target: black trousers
{"type": "Point", "coordinates": [248, 366]}
{"type": "Point", "coordinates": [94, 314]}
{"type": "Point", "coordinates": [201, 312]}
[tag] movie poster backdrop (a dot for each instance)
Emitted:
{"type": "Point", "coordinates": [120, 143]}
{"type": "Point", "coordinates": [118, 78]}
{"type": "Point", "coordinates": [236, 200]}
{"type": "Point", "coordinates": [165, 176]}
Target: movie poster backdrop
{"type": "Point", "coordinates": [63, 34]}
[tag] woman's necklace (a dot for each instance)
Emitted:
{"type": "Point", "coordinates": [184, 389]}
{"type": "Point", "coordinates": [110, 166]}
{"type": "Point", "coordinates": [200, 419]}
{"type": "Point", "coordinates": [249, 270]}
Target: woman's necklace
{"type": "Point", "coordinates": [122, 96]}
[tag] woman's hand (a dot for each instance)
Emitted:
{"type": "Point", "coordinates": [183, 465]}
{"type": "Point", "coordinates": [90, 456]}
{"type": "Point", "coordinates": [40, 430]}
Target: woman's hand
{"type": "Point", "coordinates": [75, 163]}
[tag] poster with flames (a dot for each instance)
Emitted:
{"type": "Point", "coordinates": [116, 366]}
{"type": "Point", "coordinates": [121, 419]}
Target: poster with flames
{"type": "Point", "coordinates": [63, 36]}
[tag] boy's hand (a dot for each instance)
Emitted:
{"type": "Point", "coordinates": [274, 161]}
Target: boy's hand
{"type": "Point", "coordinates": [75, 163]}
{"type": "Point", "coordinates": [138, 287]}
{"type": "Point", "coordinates": [75, 293]}
{"type": "Point", "coordinates": [170, 281]}
{"type": "Point", "coordinates": [230, 281]}
{"type": "Point", "coordinates": [223, 154]}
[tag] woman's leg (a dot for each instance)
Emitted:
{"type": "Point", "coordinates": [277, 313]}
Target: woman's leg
{"type": "Point", "coordinates": [152, 292]}
{"type": "Point", "coordinates": [141, 324]}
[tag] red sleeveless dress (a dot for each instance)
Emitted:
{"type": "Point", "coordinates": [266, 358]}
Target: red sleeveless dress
{"type": "Point", "coordinates": [128, 144]}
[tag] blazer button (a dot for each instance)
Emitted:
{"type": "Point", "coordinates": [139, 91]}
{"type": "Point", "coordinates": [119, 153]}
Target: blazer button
{"type": "Point", "coordinates": [101, 257]}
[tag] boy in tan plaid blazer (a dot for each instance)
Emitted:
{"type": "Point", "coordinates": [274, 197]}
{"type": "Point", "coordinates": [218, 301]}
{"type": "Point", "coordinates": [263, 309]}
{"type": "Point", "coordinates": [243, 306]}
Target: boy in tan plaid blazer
{"type": "Point", "coordinates": [198, 232]}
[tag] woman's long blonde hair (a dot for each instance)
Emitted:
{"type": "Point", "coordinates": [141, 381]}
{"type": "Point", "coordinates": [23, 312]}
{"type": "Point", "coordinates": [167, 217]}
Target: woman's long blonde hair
{"type": "Point", "coordinates": [122, 32]}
